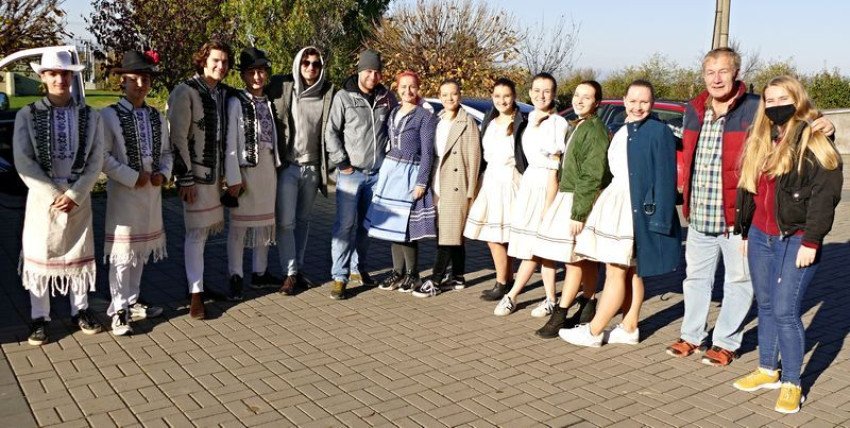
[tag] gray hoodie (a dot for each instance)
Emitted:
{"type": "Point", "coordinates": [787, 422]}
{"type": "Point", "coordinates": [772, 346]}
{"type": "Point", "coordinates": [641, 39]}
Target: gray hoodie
{"type": "Point", "coordinates": [286, 92]}
{"type": "Point", "coordinates": [357, 130]}
{"type": "Point", "coordinates": [306, 107]}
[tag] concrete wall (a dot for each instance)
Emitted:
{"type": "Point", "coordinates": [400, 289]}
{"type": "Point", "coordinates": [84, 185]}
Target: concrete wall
{"type": "Point", "coordinates": [841, 119]}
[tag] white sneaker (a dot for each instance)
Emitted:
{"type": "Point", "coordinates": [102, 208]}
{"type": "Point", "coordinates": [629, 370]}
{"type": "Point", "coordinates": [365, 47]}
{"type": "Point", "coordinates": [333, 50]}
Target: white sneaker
{"type": "Point", "coordinates": [543, 309]}
{"type": "Point", "coordinates": [581, 336]}
{"type": "Point", "coordinates": [505, 307]}
{"type": "Point", "coordinates": [619, 334]}
{"type": "Point", "coordinates": [121, 324]}
{"type": "Point", "coordinates": [140, 311]}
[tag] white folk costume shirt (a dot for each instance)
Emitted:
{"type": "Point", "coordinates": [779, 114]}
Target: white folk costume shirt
{"type": "Point", "coordinates": [135, 139]}
{"type": "Point", "coordinates": [251, 159]}
{"type": "Point", "coordinates": [58, 151]}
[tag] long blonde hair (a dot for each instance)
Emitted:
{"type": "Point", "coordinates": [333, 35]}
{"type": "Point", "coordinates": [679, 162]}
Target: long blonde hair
{"type": "Point", "coordinates": [761, 156]}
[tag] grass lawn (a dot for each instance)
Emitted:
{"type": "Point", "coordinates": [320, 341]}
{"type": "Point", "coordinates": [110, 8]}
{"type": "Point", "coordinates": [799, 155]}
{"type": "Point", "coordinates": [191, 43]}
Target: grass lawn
{"type": "Point", "coordinates": [96, 99]}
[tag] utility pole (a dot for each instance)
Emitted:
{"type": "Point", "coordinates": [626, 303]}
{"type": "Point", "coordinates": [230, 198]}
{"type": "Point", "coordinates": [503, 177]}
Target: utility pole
{"type": "Point", "coordinates": [721, 25]}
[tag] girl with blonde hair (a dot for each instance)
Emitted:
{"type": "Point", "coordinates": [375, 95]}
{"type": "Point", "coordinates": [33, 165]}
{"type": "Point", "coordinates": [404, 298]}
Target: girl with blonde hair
{"type": "Point", "coordinates": [790, 185]}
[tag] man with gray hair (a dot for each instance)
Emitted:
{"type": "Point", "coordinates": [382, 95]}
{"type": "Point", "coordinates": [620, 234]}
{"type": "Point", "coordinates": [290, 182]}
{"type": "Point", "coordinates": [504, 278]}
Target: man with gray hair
{"type": "Point", "coordinates": [715, 130]}
{"type": "Point", "coordinates": [356, 141]}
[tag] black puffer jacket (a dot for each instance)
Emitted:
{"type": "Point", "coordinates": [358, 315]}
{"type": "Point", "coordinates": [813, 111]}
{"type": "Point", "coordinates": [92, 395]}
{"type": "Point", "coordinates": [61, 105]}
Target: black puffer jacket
{"type": "Point", "coordinates": [804, 202]}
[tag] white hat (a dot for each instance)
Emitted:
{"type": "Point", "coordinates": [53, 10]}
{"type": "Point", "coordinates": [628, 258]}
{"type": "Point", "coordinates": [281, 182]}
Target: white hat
{"type": "Point", "coordinates": [57, 60]}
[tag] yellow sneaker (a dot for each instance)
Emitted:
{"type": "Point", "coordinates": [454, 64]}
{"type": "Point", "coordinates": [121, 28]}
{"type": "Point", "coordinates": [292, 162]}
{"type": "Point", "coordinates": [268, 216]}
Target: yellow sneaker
{"type": "Point", "coordinates": [759, 379]}
{"type": "Point", "coordinates": [790, 398]}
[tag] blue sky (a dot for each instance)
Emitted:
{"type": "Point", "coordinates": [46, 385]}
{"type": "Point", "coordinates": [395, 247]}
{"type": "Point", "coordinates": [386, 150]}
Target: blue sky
{"type": "Point", "coordinates": [617, 33]}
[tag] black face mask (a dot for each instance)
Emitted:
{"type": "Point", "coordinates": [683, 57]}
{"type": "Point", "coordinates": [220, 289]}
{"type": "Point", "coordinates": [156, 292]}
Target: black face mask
{"type": "Point", "coordinates": [779, 115]}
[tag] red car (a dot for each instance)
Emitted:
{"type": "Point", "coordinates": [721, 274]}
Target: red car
{"type": "Point", "coordinates": [613, 114]}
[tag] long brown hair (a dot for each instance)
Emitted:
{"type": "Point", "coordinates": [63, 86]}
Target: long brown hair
{"type": "Point", "coordinates": [762, 156]}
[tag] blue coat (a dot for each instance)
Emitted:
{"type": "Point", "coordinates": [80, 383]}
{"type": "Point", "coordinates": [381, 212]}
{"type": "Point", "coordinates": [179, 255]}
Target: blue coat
{"type": "Point", "coordinates": [651, 151]}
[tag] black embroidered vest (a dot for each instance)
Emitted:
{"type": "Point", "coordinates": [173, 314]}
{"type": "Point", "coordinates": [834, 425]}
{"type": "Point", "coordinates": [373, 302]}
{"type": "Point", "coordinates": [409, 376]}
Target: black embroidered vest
{"type": "Point", "coordinates": [131, 141]}
{"type": "Point", "coordinates": [43, 124]}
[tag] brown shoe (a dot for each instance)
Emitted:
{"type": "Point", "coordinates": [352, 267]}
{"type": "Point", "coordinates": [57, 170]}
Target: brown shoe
{"type": "Point", "coordinates": [196, 306]}
{"type": "Point", "coordinates": [289, 285]}
{"type": "Point", "coordinates": [718, 357]}
{"type": "Point", "coordinates": [338, 290]}
{"type": "Point", "coordinates": [682, 348]}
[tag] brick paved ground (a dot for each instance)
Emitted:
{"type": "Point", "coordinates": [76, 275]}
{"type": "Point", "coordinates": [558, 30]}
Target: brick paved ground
{"type": "Point", "coordinates": [386, 358]}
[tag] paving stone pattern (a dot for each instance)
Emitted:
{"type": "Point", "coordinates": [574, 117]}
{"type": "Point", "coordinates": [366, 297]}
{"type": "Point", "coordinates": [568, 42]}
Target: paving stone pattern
{"type": "Point", "coordinates": [385, 358]}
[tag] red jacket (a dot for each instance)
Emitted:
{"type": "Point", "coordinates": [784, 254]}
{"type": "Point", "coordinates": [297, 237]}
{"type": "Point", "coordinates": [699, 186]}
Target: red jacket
{"type": "Point", "coordinates": [738, 120]}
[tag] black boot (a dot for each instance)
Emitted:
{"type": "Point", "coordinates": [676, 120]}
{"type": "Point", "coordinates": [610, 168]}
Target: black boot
{"type": "Point", "coordinates": [496, 293]}
{"type": "Point", "coordinates": [585, 312]}
{"type": "Point", "coordinates": [555, 323]}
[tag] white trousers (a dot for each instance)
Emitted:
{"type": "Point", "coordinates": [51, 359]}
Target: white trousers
{"type": "Point", "coordinates": [236, 248]}
{"type": "Point", "coordinates": [124, 282]}
{"type": "Point", "coordinates": [41, 303]}
{"type": "Point", "coordinates": [193, 250]}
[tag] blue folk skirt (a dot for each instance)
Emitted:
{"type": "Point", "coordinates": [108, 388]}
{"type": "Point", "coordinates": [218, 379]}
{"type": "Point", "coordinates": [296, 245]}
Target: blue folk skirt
{"type": "Point", "coordinates": [394, 215]}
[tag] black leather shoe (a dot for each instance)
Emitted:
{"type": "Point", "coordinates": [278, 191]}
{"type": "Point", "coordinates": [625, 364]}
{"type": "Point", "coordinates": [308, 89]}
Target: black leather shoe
{"type": "Point", "coordinates": [584, 314]}
{"type": "Point", "coordinates": [555, 324]}
{"type": "Point", "coordinates": [496, 293]}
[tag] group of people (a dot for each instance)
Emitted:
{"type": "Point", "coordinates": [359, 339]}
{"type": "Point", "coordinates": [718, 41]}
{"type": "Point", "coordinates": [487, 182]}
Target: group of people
{"type": "Point", "coordinates": [761, 183]}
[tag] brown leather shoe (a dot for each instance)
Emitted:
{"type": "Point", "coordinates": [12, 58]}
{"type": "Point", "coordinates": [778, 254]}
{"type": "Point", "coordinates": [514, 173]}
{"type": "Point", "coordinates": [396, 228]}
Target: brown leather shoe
{"type": "Point", "coordinates": [289, 285]}
{"type": "Point", "coordinates": [196, 306]}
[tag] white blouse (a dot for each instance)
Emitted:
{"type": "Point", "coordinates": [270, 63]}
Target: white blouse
{"type": "Point", "coordinates": [540, 142]}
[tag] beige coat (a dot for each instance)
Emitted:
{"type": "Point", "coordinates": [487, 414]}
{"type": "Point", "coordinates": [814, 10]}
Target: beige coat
{"type": "Point", "coordinates": [458, 181]}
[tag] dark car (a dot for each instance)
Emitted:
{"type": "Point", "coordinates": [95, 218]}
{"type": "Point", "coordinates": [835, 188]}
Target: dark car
{"type": "Point", "coordinates": [477, 107]}
{"type": "Point", "coordinates": [613, 115]}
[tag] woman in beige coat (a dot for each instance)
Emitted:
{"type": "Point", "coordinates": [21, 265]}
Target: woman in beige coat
{"type": "Point", "coordinates": [457, 152]}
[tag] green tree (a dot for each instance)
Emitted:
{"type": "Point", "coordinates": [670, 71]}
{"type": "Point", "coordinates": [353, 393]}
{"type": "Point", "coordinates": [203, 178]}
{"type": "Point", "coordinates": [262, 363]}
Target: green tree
{"type": "Point", "coordinates": [670, 80]}
{"type": "Point", "coordinates": [829, 90]}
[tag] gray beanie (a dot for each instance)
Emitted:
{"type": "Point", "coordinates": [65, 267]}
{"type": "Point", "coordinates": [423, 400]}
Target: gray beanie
{"type": "Point", "coordinates": [369, 60]}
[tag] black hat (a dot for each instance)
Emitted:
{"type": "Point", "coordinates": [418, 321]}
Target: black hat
{"type": "Point", "coordinates": [253, 58]}
{"type": "Point", "coordinates": [137, 62]}
{"type": "Point", "coordinates": [369, 60]}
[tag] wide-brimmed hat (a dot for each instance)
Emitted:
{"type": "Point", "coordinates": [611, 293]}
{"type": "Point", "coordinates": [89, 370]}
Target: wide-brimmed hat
{"type": "Point", "coordinates": [56, 60]}
{"type": "Point", "coordinates": [137, 63]}
{"type": "Point", "coordinates": [253, 58]}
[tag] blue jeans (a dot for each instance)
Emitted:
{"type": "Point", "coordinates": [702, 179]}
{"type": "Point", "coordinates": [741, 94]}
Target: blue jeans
{"type": "Point", "coordinates": [296, 190]}
{"type": "Point", "coordinates": [349, 242]}
{"type": "Point", "coordinates": [702, 252]}
{"type": "Point", "coordinates": [779, 287]}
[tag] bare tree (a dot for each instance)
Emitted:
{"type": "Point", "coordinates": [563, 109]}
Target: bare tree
{"type": "Point", "coordinates": [550, 50]}
{"type": "Point", "coordinates": [751, 61]}
{"type": "Point", "coordinates": [30, 23]}
{"type": "Point", "coordinates": [461, 39]}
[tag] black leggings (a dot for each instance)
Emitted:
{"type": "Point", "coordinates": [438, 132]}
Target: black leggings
{"type": "Point", "coordinates": [405, 255]}
{"type": "Point", "coordinates": [445, 253]}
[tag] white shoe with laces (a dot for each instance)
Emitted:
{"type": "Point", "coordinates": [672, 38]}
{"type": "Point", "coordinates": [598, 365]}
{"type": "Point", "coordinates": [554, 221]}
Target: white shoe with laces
{"type": "Point", "coordinates": [581, 336]}
{"type": "Point", "coordinates": [505, 307]}
{"type": "Point", "coordinates": [121, 324]}
{"type": "Point", "coordinates": [427, 289]}
{"type": "Point", "coordinates": [619, 335]}
{"type": "Point", "coordinates": [140, 311]}
{"type": "Point", "coordinates": [543, 309]}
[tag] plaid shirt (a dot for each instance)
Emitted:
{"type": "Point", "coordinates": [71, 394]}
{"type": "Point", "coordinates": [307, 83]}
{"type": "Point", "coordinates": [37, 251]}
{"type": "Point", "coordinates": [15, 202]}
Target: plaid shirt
{"type": "Point", "coordinates": [707, 185]}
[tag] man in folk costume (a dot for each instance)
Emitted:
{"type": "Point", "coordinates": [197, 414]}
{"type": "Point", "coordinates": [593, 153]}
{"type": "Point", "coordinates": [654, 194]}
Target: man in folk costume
{"type": "Point", "coordinates": [198, 126]}
{"type": "Point", "coordinates": [250, 164]}
{"type": "Point", "coordinates": [58, 148]}
{"type": "Point", "coordinates": [137, 160]}
{"type": "Point", "coordinates": [302, 102]}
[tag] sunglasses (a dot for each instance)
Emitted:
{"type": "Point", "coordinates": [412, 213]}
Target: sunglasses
{"type": "Point", "coordinates": [315, 64]}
